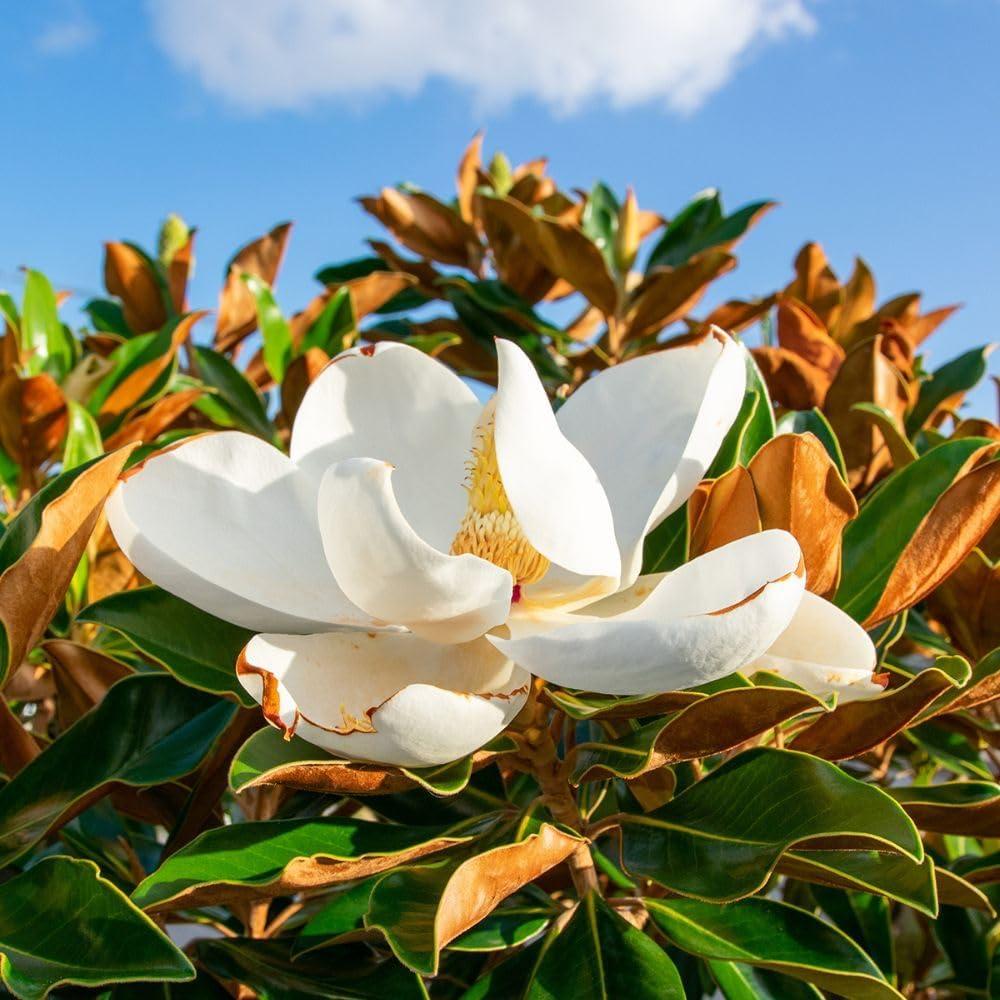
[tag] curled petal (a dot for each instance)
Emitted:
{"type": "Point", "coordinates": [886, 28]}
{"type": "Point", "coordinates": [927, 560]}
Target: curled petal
{"type": "Point", "coordinates": [228, 523]}
{"type": "Point", "coordinates": [824, 651]}
{"type": "Point", "coordinates": [394, 402]}
{"type": "Point", "coordinates": [391, 698]}
{"type": "Point", "coordinates": [556, 496]}
{"type": "Point", "coordinates": [707, 619]}
{"type": "Point", "coordinates": [650, 428]}
{"type": "Point", "coordinates": [390, 571]}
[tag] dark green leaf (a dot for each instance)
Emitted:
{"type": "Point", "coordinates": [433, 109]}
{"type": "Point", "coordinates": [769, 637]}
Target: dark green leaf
{"type": "Point", "coordinates": [255, 860]}
{"type": "Point", "coordinates": [665, 547]}
{"type": "Point", "coordinates": [196, 647]}
{"type": "Point", "coordinates": [148, 730]}
{"type": "Point", "coordinates": [61, 923]}
{"type": "Point", "coordinates": [599, 955]}
{"type": "Point", "coordinates": [266, 967]}
{"type": "Point", "coordinates": [333, 327]}
{"type": "Point", "coordinates": [956, 377]}
{"type": "Point", "coordinates": [107, 316]}
{"type": "Point", "coordinates": [240, 397]}
{"type": "Point", "coordinates": [744, 982]}
{"type": "Point", "coordinates": [721, 838]}
{"type": "Point", "coordinates": [753, 427]}
{"type": "Point", "coordinates": [776, 936]}
{"type": "Point", "coordinates": [600, 220]}
{"type": "Point", "coordinates": [701, 225]}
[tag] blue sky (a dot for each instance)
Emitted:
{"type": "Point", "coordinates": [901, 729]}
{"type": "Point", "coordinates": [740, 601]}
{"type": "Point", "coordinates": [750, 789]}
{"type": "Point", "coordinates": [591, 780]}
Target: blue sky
{"type": "Point", "coordinates": [873, 122]}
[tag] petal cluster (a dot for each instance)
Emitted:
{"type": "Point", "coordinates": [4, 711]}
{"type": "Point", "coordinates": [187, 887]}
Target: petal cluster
{"type": "Point", "coordinates": [419, 554]}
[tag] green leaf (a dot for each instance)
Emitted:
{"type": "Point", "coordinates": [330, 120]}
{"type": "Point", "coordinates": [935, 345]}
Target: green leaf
{"type": "Point", "coordinates": [891, 875]}
{"type": "Point", "coordinates": [744, 982]}
{"type": "Point", "coordinates": [273, 327]}
{"type": "Point", "coordinates": [334, 325]}
{"type": "Point", "coordinates": [251, 860]}
{"type": "Point", "coordinates": [700, 225]}
{"type": "Point", "coordinates": [965, 808]}
{"type": "Point", "coordinates": [267, 968]}
{"type": "Point", "coordinates": [8, 310]}
{"type": "Point", "coordinates": [197, 648]}
{"type": "Point", "coordinates": [957, 376]}
{"type": "Point", "coordinates": [44, 340]}
{"type": "Point", "coordinates": [240, 397]}
{"type": "Point", "coordinates": [599, 955]}
{"type": "Point", "coordinates": [336, 274]}
{"type": "Point", "coordinates": [506, 927]}
{"type": "Point", "coordinates": [776, 936]}
{"type": "Point", "coordinates": [342, 915]}
{"type": "Point", "coordinates": [62, 924]}
{"type": "Point", "coordinates": [107, 316]}
{"type": "Point", "coordinates": [129, 357]}
{"type": "Point", "coordinates": [666, 546]}
{"type": "Point", "coordinates": [753, 427]}
{"type": "Point", "coordinates": [721, 838]}
{"type": "Point", "coordinates": [599, 221]}
{"type": "Point", "coordinates": [83, 437]}
{"type": "Point", "coordinates": [148, 729]}
{"type": "Point", "coordinates": [814, 422]}
{"type": "Point", "coordinates": [874, 541]}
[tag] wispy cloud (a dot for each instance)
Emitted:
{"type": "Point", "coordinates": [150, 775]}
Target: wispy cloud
{"type": "Point", "coordinates": [275, 54]}
{"type": "Point", "coordinates": [70, 33]}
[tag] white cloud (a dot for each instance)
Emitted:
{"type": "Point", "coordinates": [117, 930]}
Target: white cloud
{"type": "Point", "coordinates": [70, 34]}
{"type": "Point", "coordinates": [268, 54]}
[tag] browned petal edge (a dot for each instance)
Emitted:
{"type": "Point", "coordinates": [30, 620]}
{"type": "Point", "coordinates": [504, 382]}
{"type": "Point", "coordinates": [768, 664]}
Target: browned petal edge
{"type": "Point", "coordinates": [481, 883]}
{"type": "Point", "coordinates": [364, 723]}
{"type": "Point", "coordinates": [800, 570]}
{"type": "Point", "coordinates": [302, 874]}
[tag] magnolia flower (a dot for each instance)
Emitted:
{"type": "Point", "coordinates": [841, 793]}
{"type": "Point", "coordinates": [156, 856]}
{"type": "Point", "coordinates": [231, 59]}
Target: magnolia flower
{"type": "Point", "coordinates": [419, 555]}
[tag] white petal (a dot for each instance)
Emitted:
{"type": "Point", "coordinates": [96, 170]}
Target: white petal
{"type": "Point", "coordinates": [385, 697]}
{"type": "Point", "coordinates": [554, 493]}
{"type": "Point", "coordinates": [396, 403]}
{"type": "Point", "coordinates": [707, 619]}
{"type": "Point", "coordinates": [824, 650]}
{"type": "Point", "coordinates": [228, 523]}
{"type": "Point", "coordinates": [650, 428]}
{"type": "Point", "coordinates": [385, 567]}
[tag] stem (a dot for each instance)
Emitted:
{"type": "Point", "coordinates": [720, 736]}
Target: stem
{"type": "Point", "coordinates": [538, 755]}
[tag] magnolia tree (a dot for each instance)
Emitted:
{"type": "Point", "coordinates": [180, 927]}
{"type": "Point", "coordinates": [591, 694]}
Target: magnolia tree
{"type": "Point", "coordinates": [436, 641]}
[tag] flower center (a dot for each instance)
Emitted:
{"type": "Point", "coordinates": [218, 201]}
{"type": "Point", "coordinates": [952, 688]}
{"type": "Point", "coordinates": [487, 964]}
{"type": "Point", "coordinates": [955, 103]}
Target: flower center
{"type": "Point", "coordinates": [489, 529]}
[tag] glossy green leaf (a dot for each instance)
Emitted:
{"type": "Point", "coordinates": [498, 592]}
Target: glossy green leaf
{"type": "Point", "coordinates": [197, 648]}
{"type": "Point", "coordinates": [965, 808]}
{"type": "Point", "coordinates": [335, 274]}
{"type": "Point", "coordinates": [599, 955]}
{"type": "Point", "coordinates": [107, 316]}
{"type": "Point", "coordinates": [753, 427]}
{"type": "Point", "coordinates": [83, 437]}
{"type": "Point", "coordinates": [265, 858]}
{"type": "Point", "coordinates": [333, 327]}
{"type": "Point", "coordinates": [744, 982]}
{"type": "Point", "coordinates": [506, 927]}
{"type": "Point", "coordinates": [776, 936]}
{"type": "Point", "coordinates": [148, 730]}
{"type": "Point", "coordinates": [955, 377]}
{"type": "Point", "coordinates": [874, 541]}
{"type": "Point", "coordinates": [239, 396]}
{"type": "Point", "coordinates": [44, 341]}
{"type": "Point", "coordinates": [342, 915]}
{"type": "Point", "coordinates": [892, 875]}
{"type": "Point", "coordinates": [267, 968]}
{"type": "Point", "coordinates": [701, 224]}
{"type": "Point", "coordinates": [814, 422]}
{"type": "Point", "coordinates": [721, 838]}
{"type": "Point", "coordinates": [128, 358]}
{"type": "Point", "coordinates": [599, 221]}
{"type": "Point", "coordinates": [62, 924]}
{"type": "Point", "coordinates": [273, 327]}
{"type": "Point", "coordinates": [666, 546]}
